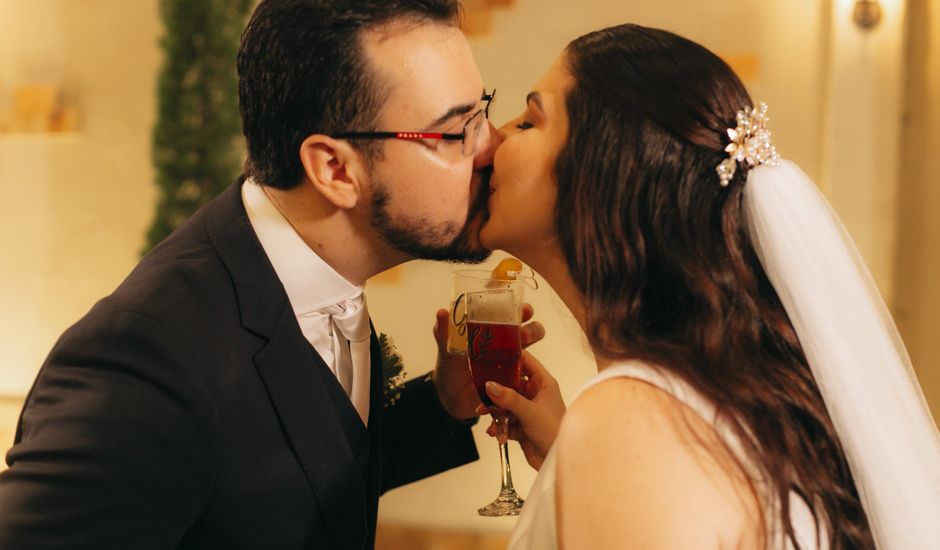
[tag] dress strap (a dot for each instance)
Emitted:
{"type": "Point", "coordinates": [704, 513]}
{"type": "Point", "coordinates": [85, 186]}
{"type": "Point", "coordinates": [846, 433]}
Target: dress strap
{"type": "Point", "coordinates": [659, 378]}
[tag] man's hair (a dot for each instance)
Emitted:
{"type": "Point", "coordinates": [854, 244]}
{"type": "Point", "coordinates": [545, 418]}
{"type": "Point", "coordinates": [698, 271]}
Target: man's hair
{"type": "Point", "coordinates": [302, 70]}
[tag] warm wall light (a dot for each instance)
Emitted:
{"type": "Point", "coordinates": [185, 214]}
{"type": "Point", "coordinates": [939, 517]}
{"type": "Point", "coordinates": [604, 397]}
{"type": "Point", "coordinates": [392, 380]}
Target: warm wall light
{"type": "Point", "coordinates": [478, 14]}
{"type": "Point", "coordinates": [867, 13]}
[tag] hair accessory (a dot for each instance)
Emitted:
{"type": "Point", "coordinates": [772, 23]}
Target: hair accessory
{"type": "Point", "coordinates": [750, 143]}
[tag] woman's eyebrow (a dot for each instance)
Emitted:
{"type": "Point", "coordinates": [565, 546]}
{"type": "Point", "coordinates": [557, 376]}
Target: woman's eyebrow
{"type": "Point", "coordinates": [535, 97]}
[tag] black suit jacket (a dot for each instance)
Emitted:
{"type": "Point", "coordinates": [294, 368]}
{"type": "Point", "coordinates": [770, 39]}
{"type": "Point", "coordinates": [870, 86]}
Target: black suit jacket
{"type": "Point", "coordinates": [187, 410]}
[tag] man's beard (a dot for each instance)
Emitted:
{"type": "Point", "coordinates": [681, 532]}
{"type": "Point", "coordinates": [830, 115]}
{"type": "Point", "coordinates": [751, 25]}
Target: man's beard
{"type": "Point", "coordinates": [422, 241]}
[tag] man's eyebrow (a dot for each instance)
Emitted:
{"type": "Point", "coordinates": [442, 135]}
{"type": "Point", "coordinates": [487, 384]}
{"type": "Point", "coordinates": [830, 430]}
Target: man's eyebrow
{"type": "Point", "coordinates": [458, 110]}
{"type": "Point", "coordinates": [536, 98]}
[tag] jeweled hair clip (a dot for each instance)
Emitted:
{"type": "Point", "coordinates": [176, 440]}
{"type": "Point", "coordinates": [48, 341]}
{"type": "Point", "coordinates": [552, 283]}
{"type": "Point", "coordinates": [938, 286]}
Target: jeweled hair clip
{"type": "Point", "coordinates": [750, 143]}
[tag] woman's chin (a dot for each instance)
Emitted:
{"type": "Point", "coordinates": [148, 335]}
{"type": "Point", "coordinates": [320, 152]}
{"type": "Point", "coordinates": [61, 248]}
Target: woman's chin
{"type": "Point", "coordinates": [493, 237]}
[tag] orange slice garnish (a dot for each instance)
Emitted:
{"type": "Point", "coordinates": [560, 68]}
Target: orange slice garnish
{"type": "Point", "coordinates": [507, 270]}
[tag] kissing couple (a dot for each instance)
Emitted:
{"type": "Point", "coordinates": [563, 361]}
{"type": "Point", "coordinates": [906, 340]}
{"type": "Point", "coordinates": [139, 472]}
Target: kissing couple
{"type": "Point", "coordinates": [752, 391]}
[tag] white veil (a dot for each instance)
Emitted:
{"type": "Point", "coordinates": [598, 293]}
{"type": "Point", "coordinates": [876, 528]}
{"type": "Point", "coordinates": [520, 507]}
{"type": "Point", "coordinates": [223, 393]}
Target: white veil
{"type": "Point", "coordinates": [854, 352]}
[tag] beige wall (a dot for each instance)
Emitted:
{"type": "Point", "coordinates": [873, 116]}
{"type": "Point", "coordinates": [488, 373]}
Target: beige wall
{"type": "Point", "coordinates": [74, 209]}
{"type": "Point", "coordinates": [918, 280]}
{"type": "Point", "coordinates": [862, 132]}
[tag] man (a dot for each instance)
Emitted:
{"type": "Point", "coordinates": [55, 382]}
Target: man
{"type": "Point", "coordinates": [228, 394]}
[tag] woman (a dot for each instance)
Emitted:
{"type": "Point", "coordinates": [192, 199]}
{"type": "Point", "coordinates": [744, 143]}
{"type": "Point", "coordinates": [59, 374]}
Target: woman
{"type": "Point", "coordinates": [751, 391]}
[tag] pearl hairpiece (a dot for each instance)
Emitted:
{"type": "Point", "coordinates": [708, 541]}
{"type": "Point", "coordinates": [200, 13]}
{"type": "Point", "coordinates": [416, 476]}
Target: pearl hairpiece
{"type": "Point", "coordinates": [750, 143]}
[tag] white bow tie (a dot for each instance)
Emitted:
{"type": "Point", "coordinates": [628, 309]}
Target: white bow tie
{"type": "Point", "coordinates": [340, 334]}
{"type": "Point", "coordinates": [350, 317]}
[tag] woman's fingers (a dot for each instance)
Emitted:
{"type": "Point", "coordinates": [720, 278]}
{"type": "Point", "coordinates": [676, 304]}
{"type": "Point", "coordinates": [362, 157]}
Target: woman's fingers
{"type": "Point", "coordinates": [509, 400]}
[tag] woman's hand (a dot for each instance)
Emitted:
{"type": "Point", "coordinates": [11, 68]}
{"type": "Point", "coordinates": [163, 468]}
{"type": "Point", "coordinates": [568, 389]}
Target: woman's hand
{"type": "Point", "coordinates": [536, 413]}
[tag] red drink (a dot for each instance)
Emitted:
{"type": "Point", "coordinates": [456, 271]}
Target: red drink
{"type": "Point", "coordinates": [494, 350]}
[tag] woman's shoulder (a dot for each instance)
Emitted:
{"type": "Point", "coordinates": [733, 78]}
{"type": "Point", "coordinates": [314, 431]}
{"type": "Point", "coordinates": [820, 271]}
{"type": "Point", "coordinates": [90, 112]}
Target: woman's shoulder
{"type": "Point", "coordinates": [630, 450]}
{"type": "Point", "coordinates": [637, 400]}
{"type": "Point", "coordinates": [629, 400]}
{"type": "Point", "coordinates": [630, 419]}
{"type": "Point", "coordinates": [622, 405]}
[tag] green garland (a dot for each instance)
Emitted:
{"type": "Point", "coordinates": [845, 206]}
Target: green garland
{"type": "Point", "coordinates": [197, 145]}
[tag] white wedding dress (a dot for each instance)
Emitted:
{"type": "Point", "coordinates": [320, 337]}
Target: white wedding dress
{"type": "Point", "coordinates": [536, 528]}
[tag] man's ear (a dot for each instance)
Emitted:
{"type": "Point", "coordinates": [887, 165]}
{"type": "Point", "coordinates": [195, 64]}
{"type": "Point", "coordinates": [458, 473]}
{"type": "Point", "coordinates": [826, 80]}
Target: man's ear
{"type": "Point", "coordinates": [335, 168]}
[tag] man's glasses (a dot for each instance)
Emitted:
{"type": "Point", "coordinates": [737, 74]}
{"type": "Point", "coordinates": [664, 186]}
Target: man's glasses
{"type": "Point", "coordinates": [468, 137]}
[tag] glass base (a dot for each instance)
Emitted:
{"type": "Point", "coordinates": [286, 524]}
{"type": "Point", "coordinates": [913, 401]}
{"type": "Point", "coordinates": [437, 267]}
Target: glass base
{"type": "Point", "coordinates": [507, 503]}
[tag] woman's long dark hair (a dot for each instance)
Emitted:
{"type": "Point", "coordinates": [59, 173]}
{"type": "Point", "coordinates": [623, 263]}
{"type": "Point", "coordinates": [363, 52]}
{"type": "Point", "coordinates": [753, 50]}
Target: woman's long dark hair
{"type": "Point", "coordinates": [661, 253]}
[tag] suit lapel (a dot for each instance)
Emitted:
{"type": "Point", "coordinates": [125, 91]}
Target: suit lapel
{"type": "Point", "coordinates": [376, 414]}
{"type": "Point", "coordinates": [287, 366]}
{"type": "Point", "coordinates": [376, 391]}
{"type": "Point", "coordinates": [315, 433]}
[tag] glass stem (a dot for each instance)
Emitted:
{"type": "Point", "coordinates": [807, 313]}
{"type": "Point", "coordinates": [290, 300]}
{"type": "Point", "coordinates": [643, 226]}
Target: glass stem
{"type": "Point", "coordinates": [506, 470]}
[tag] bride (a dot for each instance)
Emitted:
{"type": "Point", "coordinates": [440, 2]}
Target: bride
{"type": "Point", "coordinates": [752, 390]}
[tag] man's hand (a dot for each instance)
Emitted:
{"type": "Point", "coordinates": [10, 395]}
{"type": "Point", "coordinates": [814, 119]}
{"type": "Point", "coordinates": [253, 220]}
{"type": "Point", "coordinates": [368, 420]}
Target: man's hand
{"type": "Point", "coordinates": [535, 414]}
{"type": "Point", "coordinates": [452, 374]}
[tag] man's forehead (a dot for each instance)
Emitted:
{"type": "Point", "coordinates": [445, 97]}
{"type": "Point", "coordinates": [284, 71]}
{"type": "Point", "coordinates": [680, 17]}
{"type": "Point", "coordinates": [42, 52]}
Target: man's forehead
{"type": "Point", "coordinates": [428, 68]}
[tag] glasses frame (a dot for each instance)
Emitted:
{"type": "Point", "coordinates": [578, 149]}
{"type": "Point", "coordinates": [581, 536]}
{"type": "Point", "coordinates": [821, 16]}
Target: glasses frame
{"type": "Point", "coordinates": [415, 136]}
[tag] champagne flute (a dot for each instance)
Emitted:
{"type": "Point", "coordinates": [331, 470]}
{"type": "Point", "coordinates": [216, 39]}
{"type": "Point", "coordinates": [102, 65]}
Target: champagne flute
{"type": "Point", "coordinates": [494, 351]}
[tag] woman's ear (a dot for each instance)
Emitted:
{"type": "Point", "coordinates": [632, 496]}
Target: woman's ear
{"type": "Point", "coordinates": [335, 168]}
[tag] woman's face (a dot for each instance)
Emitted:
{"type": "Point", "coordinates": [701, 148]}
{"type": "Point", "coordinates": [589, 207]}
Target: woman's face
{"type": "Point", "coordinates": [522, 188]}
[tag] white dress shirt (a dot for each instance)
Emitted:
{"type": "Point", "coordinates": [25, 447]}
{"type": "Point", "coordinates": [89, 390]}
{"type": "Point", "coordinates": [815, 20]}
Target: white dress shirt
{"type": "Point", "coordinates": [330, 310]}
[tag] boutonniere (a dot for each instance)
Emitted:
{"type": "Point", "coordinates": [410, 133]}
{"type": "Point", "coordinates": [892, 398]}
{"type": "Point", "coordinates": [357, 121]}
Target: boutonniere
{"type": "Point", "coordinates": [393, 370]}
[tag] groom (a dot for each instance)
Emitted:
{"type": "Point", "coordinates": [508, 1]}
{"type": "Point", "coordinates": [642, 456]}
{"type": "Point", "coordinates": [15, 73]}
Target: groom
{"type": "Point", "coordinates": [228, 393]}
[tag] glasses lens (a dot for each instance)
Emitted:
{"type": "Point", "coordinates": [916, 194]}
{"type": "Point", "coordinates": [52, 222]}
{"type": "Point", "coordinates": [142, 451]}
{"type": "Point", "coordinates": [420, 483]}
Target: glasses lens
{"type": "Point", "coordinates": [471, 133]}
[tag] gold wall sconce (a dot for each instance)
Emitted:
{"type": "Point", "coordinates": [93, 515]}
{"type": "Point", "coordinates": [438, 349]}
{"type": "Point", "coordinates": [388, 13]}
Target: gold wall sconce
{"type": "Point", "coordinates": [867, 14]}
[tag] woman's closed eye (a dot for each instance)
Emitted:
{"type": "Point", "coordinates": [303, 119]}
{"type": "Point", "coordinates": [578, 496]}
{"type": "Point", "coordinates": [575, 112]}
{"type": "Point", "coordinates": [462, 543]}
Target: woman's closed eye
{"type": "Point", "coordinates": [524, 125]}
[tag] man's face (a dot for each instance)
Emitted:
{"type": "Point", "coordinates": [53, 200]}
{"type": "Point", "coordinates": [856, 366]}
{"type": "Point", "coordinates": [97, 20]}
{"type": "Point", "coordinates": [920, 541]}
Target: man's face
{"type": "Point", "coordinates": [428, 198]}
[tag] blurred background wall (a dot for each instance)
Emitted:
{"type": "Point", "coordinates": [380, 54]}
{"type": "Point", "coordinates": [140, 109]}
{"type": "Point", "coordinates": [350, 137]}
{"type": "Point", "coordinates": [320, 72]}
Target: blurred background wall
{"type": "Point", "coordinates": [858, 110]}
{"type": "Point", "coordinates": [917, 303]}
{"type": "Point", "coordinates": [74, 205]}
